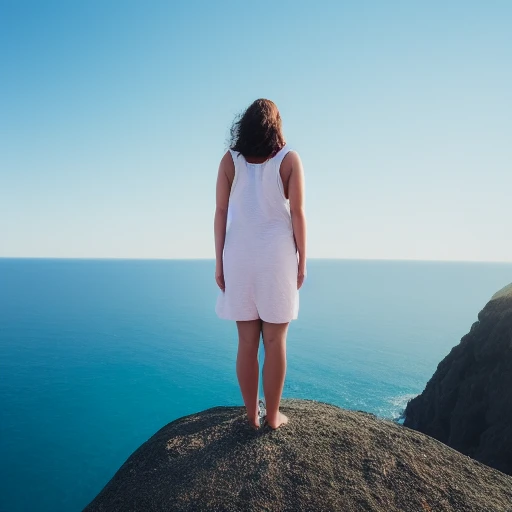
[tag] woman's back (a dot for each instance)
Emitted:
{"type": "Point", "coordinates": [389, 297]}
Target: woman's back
{"type": "Point", "coordinates": [258, 211]}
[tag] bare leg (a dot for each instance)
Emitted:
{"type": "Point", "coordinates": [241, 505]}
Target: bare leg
{"type": "Point", "coordinates": [247, 368]}
{"type": "Point", "coordinates": [274, 370]}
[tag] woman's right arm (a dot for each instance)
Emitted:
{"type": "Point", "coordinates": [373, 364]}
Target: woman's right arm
{"type": "Point", "coordinates": [296, 195]}
{"type": "Point", "coordinates": [225, 178]}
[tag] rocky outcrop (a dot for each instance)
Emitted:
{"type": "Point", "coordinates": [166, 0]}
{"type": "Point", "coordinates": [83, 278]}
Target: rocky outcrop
{"type": "Point", "coordinates": [467, 403]}
{"type": "Point", "coordinates": [324, 459]}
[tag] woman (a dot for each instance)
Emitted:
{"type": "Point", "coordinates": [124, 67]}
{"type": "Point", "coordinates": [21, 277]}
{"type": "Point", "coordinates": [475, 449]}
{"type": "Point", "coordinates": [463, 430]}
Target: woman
{"type": "Point", "coordinates": [260, 246]}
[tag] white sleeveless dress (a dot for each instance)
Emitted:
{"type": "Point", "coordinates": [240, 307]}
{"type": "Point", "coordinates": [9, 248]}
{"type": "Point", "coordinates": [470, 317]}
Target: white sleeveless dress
{"type": "Point", "coordinates": [260, 256]}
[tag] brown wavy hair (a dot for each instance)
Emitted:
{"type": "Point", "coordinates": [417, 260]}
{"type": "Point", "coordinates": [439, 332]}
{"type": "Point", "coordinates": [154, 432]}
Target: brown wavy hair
{"type": "Point", "coordinates": [257, 132]}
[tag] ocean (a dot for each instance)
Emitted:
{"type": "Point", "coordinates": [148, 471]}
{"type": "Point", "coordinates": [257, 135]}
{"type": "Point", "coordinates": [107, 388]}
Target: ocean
{"type": "Point", "coordinates": [97, 355]}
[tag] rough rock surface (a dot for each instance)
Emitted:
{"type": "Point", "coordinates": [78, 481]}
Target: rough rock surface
{"type": "Point", "coordinates": [324, 459]}
{"type": "Point", "coordinates": [467, 403]}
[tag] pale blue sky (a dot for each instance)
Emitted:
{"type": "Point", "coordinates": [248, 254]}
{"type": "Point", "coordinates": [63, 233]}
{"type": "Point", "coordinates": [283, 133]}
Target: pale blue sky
{"type": "Point", "coordinates": [114, 116]}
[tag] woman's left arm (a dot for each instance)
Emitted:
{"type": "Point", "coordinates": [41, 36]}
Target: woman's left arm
{"type": "Point", "coordinates": [224, 180]}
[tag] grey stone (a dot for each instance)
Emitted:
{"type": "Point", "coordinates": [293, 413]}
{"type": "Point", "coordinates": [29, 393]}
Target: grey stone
{"type": "Point", "coordinates": [324, 459]}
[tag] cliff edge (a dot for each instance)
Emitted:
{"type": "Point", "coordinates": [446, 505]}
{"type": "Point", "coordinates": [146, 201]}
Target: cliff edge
{"type": "Point", "coordinates": [467, 403]}
{"type": "Point", "coordinates": [324, 459]}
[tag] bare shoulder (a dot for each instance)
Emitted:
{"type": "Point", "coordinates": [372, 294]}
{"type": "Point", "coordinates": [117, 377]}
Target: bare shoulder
{"type": "Point", "coordinates": [227, 166]}
{"type": "Point", "coordinates": [292, 160]}
{"type": "Point", "coordinates": [227, 161]}
{"type": "Point", "coordinates": [292, 166]}
{"type": "Point", "coordinates": [296, 182]}
{"type": "Point", "coordinates": [291, 171]}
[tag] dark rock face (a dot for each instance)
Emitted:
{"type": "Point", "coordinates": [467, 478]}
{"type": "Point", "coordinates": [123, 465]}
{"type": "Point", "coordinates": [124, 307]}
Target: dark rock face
{"type": "Point", "coordinates": [467, 404]}
{"type": "Point", "coordinates": [324, 459]}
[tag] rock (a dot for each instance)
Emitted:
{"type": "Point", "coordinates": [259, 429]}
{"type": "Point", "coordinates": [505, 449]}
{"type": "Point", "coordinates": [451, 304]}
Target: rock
{"type": "Point", "coordinates": [324, 459]}
{"type": "Point", "coordinates": [467, 403]}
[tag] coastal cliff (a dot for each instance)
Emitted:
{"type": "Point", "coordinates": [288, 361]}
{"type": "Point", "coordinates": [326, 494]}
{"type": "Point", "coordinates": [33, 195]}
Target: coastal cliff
{"type": "Point", "coordinates": [467, 404]}
{"type": "Point", "coordinates": [324, 459]}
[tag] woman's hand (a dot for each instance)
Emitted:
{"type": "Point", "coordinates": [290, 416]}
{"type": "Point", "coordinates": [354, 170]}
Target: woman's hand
{"type": "Point", "coordinates": [219, 275]}
{"type": "Point", "coordinates": [301, 274]}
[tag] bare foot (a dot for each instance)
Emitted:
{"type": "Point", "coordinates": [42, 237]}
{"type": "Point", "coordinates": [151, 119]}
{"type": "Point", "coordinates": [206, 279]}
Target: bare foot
{"type": "Point", "coordinates": [279, 421]}
{"type": "Point", "coordinates": [254, 422]}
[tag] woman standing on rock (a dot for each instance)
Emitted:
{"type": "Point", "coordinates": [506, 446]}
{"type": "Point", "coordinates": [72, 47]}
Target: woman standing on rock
{"type": "Point", "coordinates": [260, 246]}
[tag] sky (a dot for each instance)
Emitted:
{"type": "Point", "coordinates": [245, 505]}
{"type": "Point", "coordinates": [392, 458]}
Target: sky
{"type": "Point", "coordinates": [114, 116]}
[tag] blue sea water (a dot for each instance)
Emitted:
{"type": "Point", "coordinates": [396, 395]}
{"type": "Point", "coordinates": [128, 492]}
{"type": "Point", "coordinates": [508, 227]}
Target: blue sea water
{"type": "Point", "coordinates": [97, 355]}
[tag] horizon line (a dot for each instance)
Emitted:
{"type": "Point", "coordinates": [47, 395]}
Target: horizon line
{"type": "Point", "coordinates": [96, 258]}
